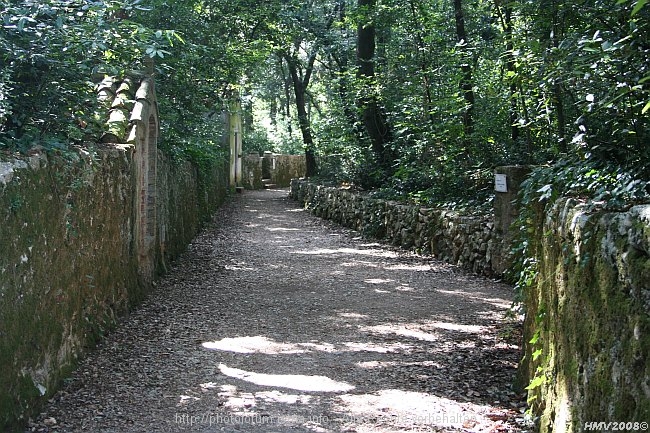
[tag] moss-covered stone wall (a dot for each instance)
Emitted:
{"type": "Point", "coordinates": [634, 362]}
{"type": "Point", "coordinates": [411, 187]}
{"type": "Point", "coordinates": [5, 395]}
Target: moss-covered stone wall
{"type": "Point", "coordinates": [68, 265]}
{"type": "Point", "coordinates": [287, 167]}
{"type": "Point", "coordinates": [252, 172]}
{"type": "Point", "coordinates": [588, 318]}
{"type": "Point", "coordinates": [469, 241]}
{"type": "Point", "coordinates": [187, 197]}
{"type": "Point", "coordinates": [271, 168]}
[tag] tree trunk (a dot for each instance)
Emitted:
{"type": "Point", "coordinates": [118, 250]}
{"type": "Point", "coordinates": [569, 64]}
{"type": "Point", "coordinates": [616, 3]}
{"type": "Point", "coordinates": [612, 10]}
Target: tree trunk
{"type": "Point", "coordinates": [340, 61]}
{"type": "Point", "coordinates": [420, 48]}
{"type": "Point", "coordinates": [287, 96]}
{"type": "Point", "coordinates": [374, 119]}
{"type": "Point", "coordinates": [299, 87]}
{"type": "Point", "coordinates": [554, 31]}
{"type": "Point", "coordinates": [511, 68]}
{"type": "Point", "coordinates": [466, 84]}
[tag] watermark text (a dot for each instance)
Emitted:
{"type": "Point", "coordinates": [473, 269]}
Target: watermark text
{"type": "Point", "coordinates": [615, 426]}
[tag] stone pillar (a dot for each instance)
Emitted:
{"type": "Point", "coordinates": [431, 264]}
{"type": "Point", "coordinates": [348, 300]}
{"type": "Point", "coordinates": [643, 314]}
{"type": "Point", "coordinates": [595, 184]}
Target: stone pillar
{"type": "Point", "coordinates": [508, 181]}
{"type": "Point", "coordinates": [233, 123]}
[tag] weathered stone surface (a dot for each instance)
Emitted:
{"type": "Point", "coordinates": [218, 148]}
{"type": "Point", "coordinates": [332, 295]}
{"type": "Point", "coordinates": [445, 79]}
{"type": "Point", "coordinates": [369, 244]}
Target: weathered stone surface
{"type": "Point", "coordinates": [590, 311]}
{"type": "Point", "coordinates": [119, 95]}
{"type": "Point", "coordinates": [464, 240]}
{"type": "Point", "coordinates": [283, 168]}
{"type": "Point", "coordinates": [68, 262]}
{"type": "Point", "coordinates": [252, 172]}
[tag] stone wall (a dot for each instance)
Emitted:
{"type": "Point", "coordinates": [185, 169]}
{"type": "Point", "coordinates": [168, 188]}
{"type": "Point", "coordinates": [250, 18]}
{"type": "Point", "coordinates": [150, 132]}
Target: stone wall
{"type": "Point", "coordinates": [283, 168]}
{"type": "Point", "coordinates": [69, 259]}
{"type": "Point", "coordinates": [252, 172]}
{"type": "Point", "coordinates": [589, 315]}
{"type": "Point", "coordinates": [469, 241]}
{"type": "Point", "coordinates": [506, 211]}
{"type": "Point", "coordinates": [187, 198]}
{"type": "Point", "coordinates": [273, 168]}
{"type": "Point", "coordinates": [587, 326]}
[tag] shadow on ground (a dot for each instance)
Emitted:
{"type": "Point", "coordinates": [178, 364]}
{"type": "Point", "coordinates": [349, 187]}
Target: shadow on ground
{"type": "Point", "coordinates": [278, 321]}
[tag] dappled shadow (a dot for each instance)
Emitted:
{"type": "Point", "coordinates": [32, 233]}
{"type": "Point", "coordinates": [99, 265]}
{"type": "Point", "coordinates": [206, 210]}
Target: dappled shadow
{"type": "Point", "coordinates": [293, 324]}
{"type": "Point", "coordinates": [396, 330]}
{"type": "Point", "coordinates": [438, 392]}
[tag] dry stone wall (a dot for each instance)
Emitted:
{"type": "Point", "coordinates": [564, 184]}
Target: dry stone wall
{"type": "Point", "coordinates": [587, 326]}
{"type": "Point", "coordinates": [469, 241]}
{"type": "Point", "coordinates": [69, 260]}
{"type": "Point", "coordinates": [588, 317]}
{"type": "Point", "coordinates": [275, 168]}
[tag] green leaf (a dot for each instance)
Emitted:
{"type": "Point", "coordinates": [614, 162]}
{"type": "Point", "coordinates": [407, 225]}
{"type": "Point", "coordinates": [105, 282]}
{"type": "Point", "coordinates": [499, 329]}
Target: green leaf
{"type": "Point", "coordinates": [21, 23]}
{"type": "Point", "coordinates": [638, 6]}
{"type": "Point", "coordinates": [646, 108]}
{"type": "Point", "coordinates": [536, 382]}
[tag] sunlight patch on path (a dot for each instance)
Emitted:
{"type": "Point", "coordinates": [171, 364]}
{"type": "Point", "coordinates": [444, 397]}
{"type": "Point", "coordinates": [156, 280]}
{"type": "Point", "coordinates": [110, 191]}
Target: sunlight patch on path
{"type": "Point", "coordinates": [397, 408]}
{"type": "Point", "coordinates": [238, 399]}
{"type": "Point", "coordinates": [256, 344]}
{"type": "Point", "coordinates": [399, 330]}
{"type": "Point", "coordinates": [478, 296]}
{"type": "Point", "coordinates": [352, 251]}
{"type": "Point", "coordinates": [474, 329]}
{"type": "Point", "coordinates": [292, 381]}
{"type": "Point", "coordinates": [266, 346]}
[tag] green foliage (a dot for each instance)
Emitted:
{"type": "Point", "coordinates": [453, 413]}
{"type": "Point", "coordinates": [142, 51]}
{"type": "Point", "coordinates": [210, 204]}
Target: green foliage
{"type": "Point", "coordinates": [258, 142]}
{"type": "Point", "coordinates": [53, 52]}
{"type": "Point", "coordinates": [540, 378]}
{"type": "Point", "coordinates": [554, 83]}
{"type": "Point", "coordinates": [589, 98]}
{"type": "Point", "coordinates": [50, 51]}
{"type": "Point", "coordinates": [601, 185]}
{"type": "Point", "coordinates": [565, 82]}
{"type": "Point", "coordinates": [606, 186]}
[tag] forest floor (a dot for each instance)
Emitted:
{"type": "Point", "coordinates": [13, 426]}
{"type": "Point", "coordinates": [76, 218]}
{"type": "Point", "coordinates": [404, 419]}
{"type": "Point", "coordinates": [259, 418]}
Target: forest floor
{"type": "Point", "coordinates": [277, 321]}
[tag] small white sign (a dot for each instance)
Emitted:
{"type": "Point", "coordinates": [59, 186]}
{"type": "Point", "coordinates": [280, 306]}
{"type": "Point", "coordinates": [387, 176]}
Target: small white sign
{"type": "Point", "coordinates": [500, 183]}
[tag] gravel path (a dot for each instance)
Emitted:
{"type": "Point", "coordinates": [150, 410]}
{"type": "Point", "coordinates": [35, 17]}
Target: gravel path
{"type": "Point", "coordinates": [277, 321]}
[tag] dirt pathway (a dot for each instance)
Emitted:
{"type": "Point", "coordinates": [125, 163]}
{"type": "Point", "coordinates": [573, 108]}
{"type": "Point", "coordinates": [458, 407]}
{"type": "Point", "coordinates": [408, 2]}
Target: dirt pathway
{"type": "Point", "coordinates": [277, 321]}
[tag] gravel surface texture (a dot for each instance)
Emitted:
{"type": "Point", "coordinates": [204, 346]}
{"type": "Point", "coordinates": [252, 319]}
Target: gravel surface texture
{"type": "Point", "coordinates": [277, 321]}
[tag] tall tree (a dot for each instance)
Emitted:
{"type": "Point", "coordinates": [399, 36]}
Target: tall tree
{"type": "Point", "coordinates": [300, 79]}
{"type": "Point", "coordinates": [299, 36]}
{"type": "Point", "coordinates": [340, 70]}
{"type": "Point", "coordinates": [374, 119]}
{"type": "Point", "coordinates": [466, 82]}
{"type": "Point", "coordinates": [417, 15]}
{"type": "Point", "coordinates": [504, 11]}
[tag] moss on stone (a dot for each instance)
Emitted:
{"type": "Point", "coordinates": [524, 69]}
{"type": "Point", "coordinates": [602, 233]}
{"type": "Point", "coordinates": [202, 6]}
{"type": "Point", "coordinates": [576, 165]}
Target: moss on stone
{"type": "Point", "coordinates": [591, 277]}
{"type": "Point", "coordinates": [68, 272]}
